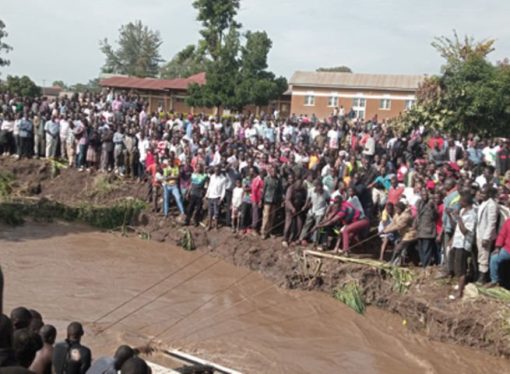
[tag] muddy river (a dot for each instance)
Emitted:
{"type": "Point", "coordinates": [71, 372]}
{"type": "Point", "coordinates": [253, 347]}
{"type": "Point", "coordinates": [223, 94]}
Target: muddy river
{"type": "Point", "coordinates": [204, 306]}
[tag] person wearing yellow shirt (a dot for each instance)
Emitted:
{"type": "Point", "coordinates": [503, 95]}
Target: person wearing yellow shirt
{"type": "Point", "coordinates": [170, 185]}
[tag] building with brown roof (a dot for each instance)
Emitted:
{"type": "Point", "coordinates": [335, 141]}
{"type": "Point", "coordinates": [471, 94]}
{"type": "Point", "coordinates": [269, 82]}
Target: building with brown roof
{"type": "Point", "coordinates": [368, 95]}
{"type": "Point", "coordinates": [169, 94]}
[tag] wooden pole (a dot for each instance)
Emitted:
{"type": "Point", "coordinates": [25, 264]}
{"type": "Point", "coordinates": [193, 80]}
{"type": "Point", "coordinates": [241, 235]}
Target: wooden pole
{"type": "Point", "coordinates": [372, 263]}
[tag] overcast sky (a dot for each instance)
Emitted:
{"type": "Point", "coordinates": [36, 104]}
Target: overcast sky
{"type": "Point", "coordinates": [59, 39]}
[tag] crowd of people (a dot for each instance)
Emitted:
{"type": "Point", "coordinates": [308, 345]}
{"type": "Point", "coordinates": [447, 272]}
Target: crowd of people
{"type": "Point", "coordinates": [433, 198]}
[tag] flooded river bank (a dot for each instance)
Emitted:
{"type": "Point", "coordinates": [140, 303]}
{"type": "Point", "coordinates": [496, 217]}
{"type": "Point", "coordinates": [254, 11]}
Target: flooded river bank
{"type": "Point", "coordinates": [206, 306]}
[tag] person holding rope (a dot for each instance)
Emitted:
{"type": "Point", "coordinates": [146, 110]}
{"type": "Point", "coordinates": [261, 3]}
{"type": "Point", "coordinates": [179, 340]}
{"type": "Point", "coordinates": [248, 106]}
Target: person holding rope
{"type": "Point", "coordinates": [295, 200]}
{"type": "Point", "coordinates": [350, 221]}
{"type": "Point", "coordinates": [271, 198]}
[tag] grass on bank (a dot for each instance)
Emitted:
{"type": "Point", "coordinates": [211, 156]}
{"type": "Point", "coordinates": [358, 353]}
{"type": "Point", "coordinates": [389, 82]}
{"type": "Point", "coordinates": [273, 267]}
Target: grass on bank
{"type": "Point", "coordinates": [6, 180]}
{"type": "Point", "coordinates": [119, 214]}
{"type": "Point", "coordinates": [351, 295]}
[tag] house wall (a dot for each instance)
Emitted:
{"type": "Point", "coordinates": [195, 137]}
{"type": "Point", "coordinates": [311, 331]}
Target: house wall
{"type": "Point", "coordinates": [346, 98]}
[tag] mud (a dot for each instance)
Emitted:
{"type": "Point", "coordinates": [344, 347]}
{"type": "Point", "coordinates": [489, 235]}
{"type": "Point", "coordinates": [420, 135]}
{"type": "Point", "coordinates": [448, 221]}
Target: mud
{"type": "Point", "coordinates": [206, 306]}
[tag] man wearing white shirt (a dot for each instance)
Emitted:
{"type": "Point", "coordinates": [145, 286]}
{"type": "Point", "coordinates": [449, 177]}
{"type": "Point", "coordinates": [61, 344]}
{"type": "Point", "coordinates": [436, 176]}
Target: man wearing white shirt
{"type": "Point", "coordinates": [143, 147]}
{"type": "Point", "coordinates": [215, 194]}
{"type": "Point", "coordinates": [250, 133]}
{"type": "Point", "coordinates": [333, 136]}
{"type": "Point", "coordinates": [64, 134]}
{"type": "Point", "coordinates": [486, 230]}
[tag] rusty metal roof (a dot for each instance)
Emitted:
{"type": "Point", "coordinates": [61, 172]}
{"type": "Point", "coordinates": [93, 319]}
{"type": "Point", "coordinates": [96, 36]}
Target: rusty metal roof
{"type": "Point", "coordinates": [356, 81]}
{"type": "Point", "coordinates": [152, 84]}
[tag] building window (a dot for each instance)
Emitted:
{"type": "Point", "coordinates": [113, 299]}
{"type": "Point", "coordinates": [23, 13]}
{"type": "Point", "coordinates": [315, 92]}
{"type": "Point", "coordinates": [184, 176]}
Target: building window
{"type": "Point", "coordinates": [333, 101]}
{"type": "Point", "coordinates": [309, 100]}
{"type": "Point", "coordinates": [409, 104]}
{"type": "Point", "coordinates": [359, 102]}
{"type": "Point", "coordinates": [385, 104]}
{"type": "Point", "coordinates": [358, 106]}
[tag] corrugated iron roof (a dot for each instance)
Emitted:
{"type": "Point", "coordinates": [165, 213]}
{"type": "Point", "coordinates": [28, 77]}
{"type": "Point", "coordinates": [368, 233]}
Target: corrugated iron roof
{"type": "Point", "coordinates": [153, 84]}
{"type": "Point", "coordinates": [356, 81]}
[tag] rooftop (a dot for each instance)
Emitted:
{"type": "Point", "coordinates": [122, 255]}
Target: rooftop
{"type": "Point", "coordinates": [152, 84]}
{"type": "Point", "coordinates": [356, 81]}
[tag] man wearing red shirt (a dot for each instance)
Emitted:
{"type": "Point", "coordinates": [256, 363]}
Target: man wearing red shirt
{"type": "Point", "coordinates": [501, 254]}
{"type": "Point", "coordinates": [351, 220]}
{"type": "Point", "coordinates": [436, 140]}
{"type": "Point", "coordinates": [257, 189]}
{"type": "Point", "coordinates": [395, 192]}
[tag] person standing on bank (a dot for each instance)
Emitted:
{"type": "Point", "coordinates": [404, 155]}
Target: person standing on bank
{"type": "Point", "coordinates": [486, 231]}
{"type": "Point", "coordinates": [70, 356]}
{"type": "Point", "coordinates": [425, 224]}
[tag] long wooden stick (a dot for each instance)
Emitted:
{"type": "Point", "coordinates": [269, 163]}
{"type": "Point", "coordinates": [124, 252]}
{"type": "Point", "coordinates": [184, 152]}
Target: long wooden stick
{"type": "Point", "coordinates": [373, 263]}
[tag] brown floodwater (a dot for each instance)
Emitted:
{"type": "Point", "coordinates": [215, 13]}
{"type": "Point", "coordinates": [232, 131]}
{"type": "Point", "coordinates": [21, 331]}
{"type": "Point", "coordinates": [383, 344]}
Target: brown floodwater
{"type": "Point", "coordinates": [205, 306]}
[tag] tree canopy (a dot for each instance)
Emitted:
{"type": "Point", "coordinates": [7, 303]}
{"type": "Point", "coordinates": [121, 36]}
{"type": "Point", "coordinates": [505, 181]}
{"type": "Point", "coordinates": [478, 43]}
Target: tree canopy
{"type": "Point", "coordinates": [471, 95]}
{"type": "Point", "coordinates": [237, 73]}
{"type": "Point", "coordinates": [137, 53]}
{"type": "Point", "coordinates": [189, 61]}
{"type": "Point", "coordinates": [21, 86]}
{"type": "Point", "coordinates": [4, 47]}
{"type": "Point", "coordinates": [336, 69]}
{"type": "Point", "coordinates": [217, 18]}
{"type": "Point", "coordinates": [60, 84]}
{"type": "Point", "coordinates": [91, 86]}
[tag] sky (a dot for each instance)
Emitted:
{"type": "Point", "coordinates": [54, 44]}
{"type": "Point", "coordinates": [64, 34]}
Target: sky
{"type": "Point", "coordinates": [59, 39]}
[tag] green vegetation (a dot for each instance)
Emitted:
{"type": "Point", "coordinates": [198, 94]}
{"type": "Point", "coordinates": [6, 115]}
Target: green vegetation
{"type": "Point", "coordinates": [350, 294]}
{"type": "Point", "coordinates": [472, 95]}
{"type": "Point", "coordinates": [119, 214]}
{"type": "Point", "coordinates": [335, 69]}
{"type": "Point", "coordinates": [402, 278]}
{"type": "Point", "coordinates": [189, 61]}
{"type": "Point", "coordinates": [186, 240]}
{"type": "Point", "coordinates": [102, 185]}
{"type": "Point", "coordinates": [4, 47]}
{"type": "Point", "coordinates": [20, 86]}
{"type": "Point", "coordinates": [56, 166]}
{"type": "Point", "coordinates": [237, 74]}
{"type": "Point", "coordinates": [6, 180]}
{"type": "Point", "coordinates": [137, 53]}
{"type": "Point", "coordinates": [498, 293]}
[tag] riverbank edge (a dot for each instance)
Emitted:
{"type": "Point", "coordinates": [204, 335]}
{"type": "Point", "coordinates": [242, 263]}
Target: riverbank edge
{"type": "Point", "coordinates": [482, 323]}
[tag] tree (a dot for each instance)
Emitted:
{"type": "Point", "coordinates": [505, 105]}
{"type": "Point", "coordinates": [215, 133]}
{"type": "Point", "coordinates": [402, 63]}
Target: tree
{"type": "Point", "coordinates": [137, 53]}
{"type": "Point", "coordinates": [21, 86]}
{"type": "Point", "coordinates": [257, 85]}
{"type": "Point", "coordinates": [91, 86]}
{"type": "Point", "coordinates": [336, 69]}
{"type": "Point", "coordinates": [60, 84]}
{"type": "Point", "coordinates": [472, 95]}
{"type": "Point", "coordinates": [189, 61]}
{"type": "Point", "coordinates": [222, 77]}
{"type": "Point", "coordinates": [236, 75]}
{"type": "Point", "coordinates": [459, 50]}
{"type": "Point", "coordinates": [4, 47]}
{"type": "Point", "coordinates": [217, 18]}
